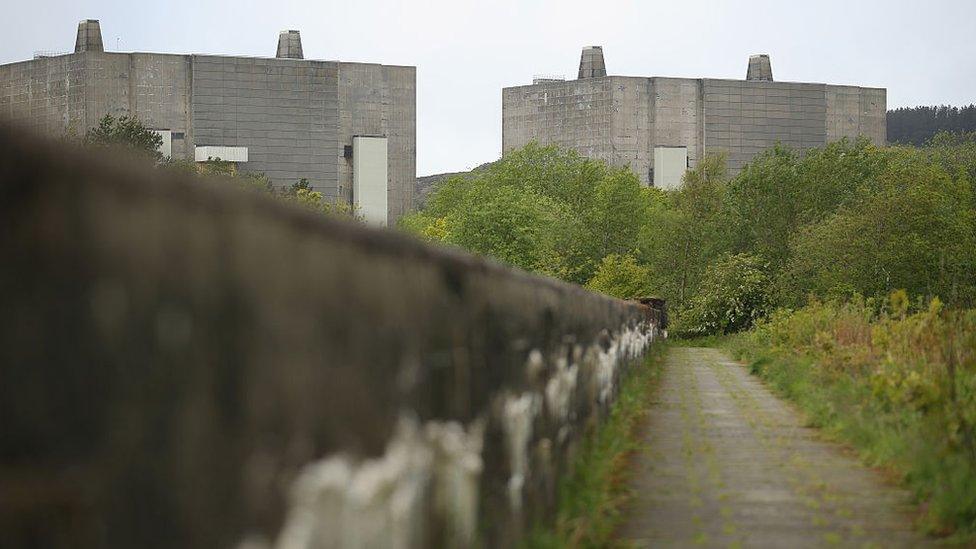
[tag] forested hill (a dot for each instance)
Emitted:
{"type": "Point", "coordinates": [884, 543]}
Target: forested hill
{"type": "Point", "coordinates": [916, 125]}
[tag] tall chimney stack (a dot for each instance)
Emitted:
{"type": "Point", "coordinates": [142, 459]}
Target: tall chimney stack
{"type": "Point", "coordinates": [759, 68]}
{"type": "Point", "coordinates": [591, 63]}
{"type": "Point", "coordinates": [290, 45]}
{"type": "Point", "coordinates": [89, 36]}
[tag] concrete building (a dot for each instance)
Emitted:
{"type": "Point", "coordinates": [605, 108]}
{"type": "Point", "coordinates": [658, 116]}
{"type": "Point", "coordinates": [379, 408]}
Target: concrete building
{"type": "Point", "coordinates": [661, 126]}
{"type": "Point", "coordinates": [287, 116]}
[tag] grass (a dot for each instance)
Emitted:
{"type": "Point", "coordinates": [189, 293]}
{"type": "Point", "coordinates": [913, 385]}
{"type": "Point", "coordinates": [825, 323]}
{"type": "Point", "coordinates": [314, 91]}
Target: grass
{"type": "Point", "coordinates": [592, 498]}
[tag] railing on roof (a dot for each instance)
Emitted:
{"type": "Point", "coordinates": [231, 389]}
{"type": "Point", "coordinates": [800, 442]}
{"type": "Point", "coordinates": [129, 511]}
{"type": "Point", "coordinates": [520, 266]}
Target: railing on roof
{"type": "Point", "coordinates": [545, 78]}
{"type": "Point", "coordinates": [45, 53]}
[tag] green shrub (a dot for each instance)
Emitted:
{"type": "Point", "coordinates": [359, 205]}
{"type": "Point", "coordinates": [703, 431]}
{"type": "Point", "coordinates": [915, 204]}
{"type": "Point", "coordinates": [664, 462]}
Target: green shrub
{"type": "Point", "coordinates": [732, 296]}
{"type": "Point", "coordinates": [621, 276]}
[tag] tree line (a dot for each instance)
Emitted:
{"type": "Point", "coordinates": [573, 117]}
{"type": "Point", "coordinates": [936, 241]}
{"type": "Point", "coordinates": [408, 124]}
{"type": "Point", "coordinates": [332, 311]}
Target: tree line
{"type": "Point", "coordinates": [917, 125]}
{"type": "Point", "coordinates": [846, 219]}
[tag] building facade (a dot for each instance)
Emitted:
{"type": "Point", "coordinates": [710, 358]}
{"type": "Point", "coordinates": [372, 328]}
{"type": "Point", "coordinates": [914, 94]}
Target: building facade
{"type": "Point", "coordinates": [287, 117]}
{"type": "Point", "coordinates": [662, 126]}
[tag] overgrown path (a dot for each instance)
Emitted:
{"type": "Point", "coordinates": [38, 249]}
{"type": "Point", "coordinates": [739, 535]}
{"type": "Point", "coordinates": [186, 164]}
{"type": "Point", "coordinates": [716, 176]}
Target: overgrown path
{"type": "Point", "coordinates": [728, 464]}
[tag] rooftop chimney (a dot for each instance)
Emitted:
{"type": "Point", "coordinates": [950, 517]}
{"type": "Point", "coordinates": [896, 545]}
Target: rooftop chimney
{"type": "Point", "coordinates": [591, 63]}
{"type": "Point", "coordinates": [89, 36]}
{"type": "Point", "coordinates": [759, 68]}
{"type": "Point", "coordinates": [290, 45]}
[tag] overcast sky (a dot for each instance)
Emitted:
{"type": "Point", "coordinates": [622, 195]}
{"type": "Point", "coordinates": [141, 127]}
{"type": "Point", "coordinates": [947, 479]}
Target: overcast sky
{"type": "Point", "coordinates": [465, 51]}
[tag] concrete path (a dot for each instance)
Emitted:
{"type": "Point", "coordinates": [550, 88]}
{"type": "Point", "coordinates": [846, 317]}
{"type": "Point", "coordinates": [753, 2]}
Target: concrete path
{"type": "Point", "coordinates": [728, 464]}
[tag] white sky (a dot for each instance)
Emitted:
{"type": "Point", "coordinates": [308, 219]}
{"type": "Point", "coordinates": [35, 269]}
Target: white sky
{"type": "Point", "coordinates": [465, 51]}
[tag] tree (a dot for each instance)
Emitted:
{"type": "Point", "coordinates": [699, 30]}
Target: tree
{"type": "Point", "coordinates": [125, 132]}
{"type": "Point", "coordinates": [734, 294]}
{"type": "Point", "coordinates": [503, 222]}
{"type": "Point", "coordinates": [916, 232]}
{"type": "Point", "coordinates": [685, 229]}
{"type": "Point", "coordinates": [765, 203]}
{"type": "Point", "coordinates": [956, 153]}
{"type": "Point", "coordinates": [621, 276]}
{"type": "Point", "coordinates": [302, 184]}
{"type": "Point", "coordinates": [541, 208]}
{"type": "Point", "coordinates": [917, 125]}
{"type": "Point", "coordinates": [301, 193]}
{"type": "Point", "coordinates": [847, 218]}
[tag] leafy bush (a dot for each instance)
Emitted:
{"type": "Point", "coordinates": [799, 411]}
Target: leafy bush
{"type": "Point", "coordinates": [733, 295]}
{"type": "Point", "coordinates": [621, 276]}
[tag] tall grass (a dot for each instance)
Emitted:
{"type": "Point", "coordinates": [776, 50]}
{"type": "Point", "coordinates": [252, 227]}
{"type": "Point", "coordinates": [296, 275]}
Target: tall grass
{"type": "Point", "coordinates": [592, 498]}
{"type": "Point", "coordinates": [898, 384]}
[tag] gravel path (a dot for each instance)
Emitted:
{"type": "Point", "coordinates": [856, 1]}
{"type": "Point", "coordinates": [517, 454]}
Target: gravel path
{"type": "Point", "coordinates": [728, 464]}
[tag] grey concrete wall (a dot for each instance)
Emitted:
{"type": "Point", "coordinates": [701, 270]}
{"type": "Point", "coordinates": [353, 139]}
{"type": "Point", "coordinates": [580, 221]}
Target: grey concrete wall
{"type": "Point", "coordinates": [744, 118]}
{"type": "Point", "coordinates": [632, 125]}
{"type": "Point", "coordinates": [285, 111]}
{"type": "Point", "coordinates": [678, 115]}
{"type": "Point", "coordinates": [293, 115]}
{"type": "Point", "coordinates": [574, 114]}
{"type": "Point", "coordinates": [740, 118]}
{"type": "Point", "coordinates": [854, 111]}
{"type": "Point", "coordinates": [71, 93]}
{"type": "Point", "coordinates": [380, 100]}
{"type": "Point", "coordinates": [153, 87]}
{"type": "Point", "coordinates": [193, 365]}
{"type": "Point", "coordinates": [159, 93]}
{"type": "Point", "coordinates": [615, 119]}
{"type": "Point", "coordinates": [46, 94]}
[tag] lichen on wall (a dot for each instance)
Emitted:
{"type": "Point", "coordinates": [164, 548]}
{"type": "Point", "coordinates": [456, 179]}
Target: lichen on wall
{"type": "Point", "coordinates": [427, 470]}
{"type": "Point", "coordinates": [519, 413]}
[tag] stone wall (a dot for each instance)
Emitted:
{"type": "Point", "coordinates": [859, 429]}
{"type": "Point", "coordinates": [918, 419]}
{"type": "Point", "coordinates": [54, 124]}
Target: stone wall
{"type": "Point", "coordinates": [184, 364]}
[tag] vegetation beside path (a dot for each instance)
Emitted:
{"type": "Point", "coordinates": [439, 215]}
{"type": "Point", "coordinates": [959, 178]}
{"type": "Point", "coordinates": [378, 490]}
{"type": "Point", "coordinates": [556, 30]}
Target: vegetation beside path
{"type": "Point", "coordinates": [592, 497]}
{"type": "Point", "coordinates": [896, 381]}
